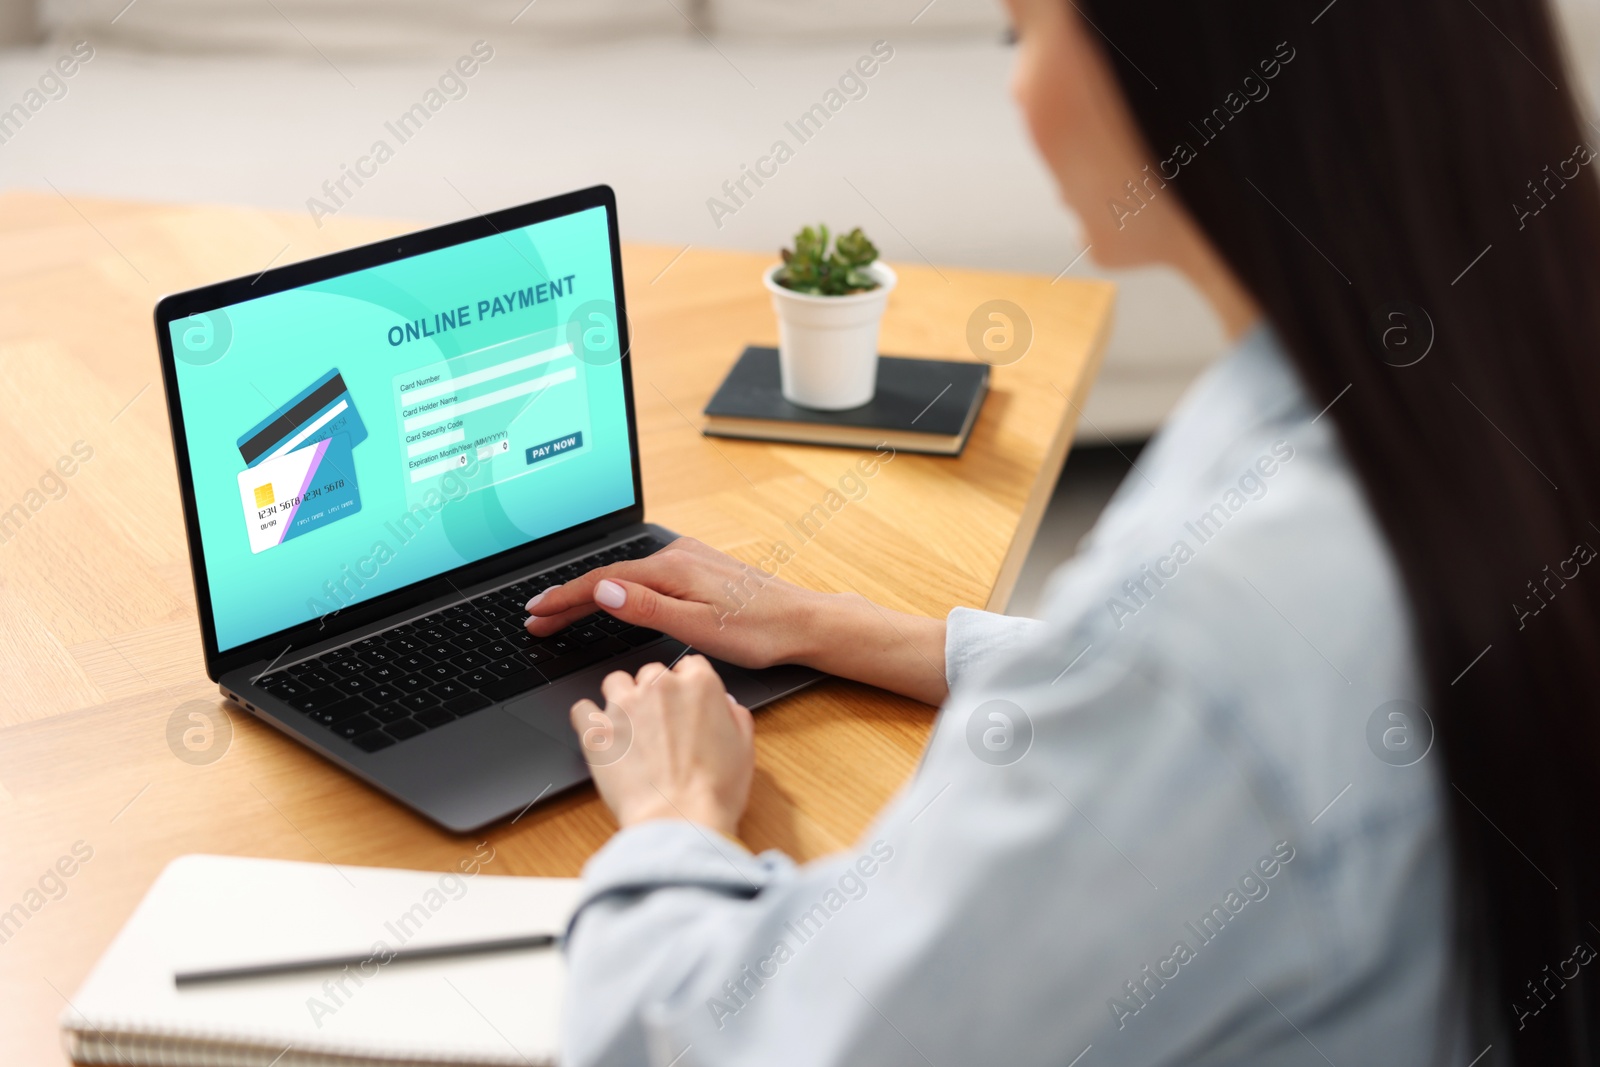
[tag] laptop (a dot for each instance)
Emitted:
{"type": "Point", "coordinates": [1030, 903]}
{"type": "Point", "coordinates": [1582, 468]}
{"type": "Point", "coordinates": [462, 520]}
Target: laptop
{"type": "Point", "coordinates": [383, 454]}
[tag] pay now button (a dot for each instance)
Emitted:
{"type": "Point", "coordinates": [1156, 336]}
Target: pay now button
{"type": "Point", "coordinates": [556, 447]}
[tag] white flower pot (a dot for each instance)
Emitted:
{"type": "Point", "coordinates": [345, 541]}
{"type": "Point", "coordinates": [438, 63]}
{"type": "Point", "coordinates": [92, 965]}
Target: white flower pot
{"type": "Point", "coordinates": [828, 345]}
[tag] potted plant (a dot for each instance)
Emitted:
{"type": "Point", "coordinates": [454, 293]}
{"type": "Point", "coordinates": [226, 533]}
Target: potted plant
{"type": "Point", "coordinates": [829, 305]}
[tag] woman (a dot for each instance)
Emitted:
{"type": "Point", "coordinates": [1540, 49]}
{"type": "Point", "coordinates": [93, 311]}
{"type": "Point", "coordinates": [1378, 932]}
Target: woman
{"type": "Point", "coordinates": [1199, 813]}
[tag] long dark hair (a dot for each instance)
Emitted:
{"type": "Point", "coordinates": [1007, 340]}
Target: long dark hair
{"type": "Point", "coordinates": [1415, 172]}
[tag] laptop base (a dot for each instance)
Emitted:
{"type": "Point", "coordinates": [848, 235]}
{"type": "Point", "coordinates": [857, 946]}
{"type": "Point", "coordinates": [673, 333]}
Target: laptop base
{"type": "Point", "coordinates": [504, 755]}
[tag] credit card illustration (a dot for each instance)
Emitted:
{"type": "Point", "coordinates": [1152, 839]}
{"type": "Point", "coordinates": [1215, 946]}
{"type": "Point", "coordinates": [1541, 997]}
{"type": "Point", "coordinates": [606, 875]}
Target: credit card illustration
{"type": "Point", "coordinates": [320, 411]}
{"type": "Point", "coordinates": [297, 492]}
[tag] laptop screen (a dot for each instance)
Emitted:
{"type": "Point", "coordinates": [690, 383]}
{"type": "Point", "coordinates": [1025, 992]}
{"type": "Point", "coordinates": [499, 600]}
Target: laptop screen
{"type": "Point", "coordinates": [359, 434]}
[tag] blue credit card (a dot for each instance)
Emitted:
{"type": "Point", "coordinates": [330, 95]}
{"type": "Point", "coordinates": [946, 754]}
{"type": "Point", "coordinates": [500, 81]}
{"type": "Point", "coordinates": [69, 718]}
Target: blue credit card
{"type": "Point", "coordinates": [319, 411]}
{"type": "Point", "coordinates": [292, 494]}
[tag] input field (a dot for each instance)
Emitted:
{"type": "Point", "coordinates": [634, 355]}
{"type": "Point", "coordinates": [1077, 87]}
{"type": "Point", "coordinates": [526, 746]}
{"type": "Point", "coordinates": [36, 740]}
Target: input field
{"type": "Point", "coordinates": [499, 396]}
{"type": "Point", "coordinates": [442, 440]}
{"type": "Point", "coordinates": [499, 370]}
{"type": "Point", "coordinates": [438, 467]}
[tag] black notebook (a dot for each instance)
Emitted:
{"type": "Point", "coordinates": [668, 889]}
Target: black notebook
{"type": "Point", "coordinates": [921, 405]}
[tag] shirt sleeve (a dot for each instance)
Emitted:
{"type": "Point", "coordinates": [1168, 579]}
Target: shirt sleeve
{"type": "Point", "coordinates": [972, 636]}
{"type": "Point", "coordinates": [1033, 891]}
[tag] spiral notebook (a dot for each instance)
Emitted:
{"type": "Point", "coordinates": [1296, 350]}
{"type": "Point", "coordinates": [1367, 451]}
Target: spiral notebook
{"type": "Point", "coordinates": [207, 912]}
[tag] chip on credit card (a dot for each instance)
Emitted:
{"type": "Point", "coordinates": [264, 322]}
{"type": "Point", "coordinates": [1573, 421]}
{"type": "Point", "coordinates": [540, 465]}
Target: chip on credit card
{"type": "Point", "coordinates": [319, 411]}
{"type": "Point", "coordinates": [294, 493]}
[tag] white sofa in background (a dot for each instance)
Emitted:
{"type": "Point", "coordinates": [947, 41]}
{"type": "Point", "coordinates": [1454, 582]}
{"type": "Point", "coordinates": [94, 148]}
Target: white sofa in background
{"type": "Point", "coordinates": [262, 103]}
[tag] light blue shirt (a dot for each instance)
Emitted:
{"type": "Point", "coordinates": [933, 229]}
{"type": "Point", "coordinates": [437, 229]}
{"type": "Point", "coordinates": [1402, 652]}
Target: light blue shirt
{"type": "Point", "coordinates": [1179, 820]}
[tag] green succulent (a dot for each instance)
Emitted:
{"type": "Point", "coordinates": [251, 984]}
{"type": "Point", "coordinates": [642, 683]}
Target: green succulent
{"type": "Point", "coordinates": [811, 268]}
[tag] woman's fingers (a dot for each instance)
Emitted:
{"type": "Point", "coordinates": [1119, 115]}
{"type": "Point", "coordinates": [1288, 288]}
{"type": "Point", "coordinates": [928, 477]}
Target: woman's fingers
{"type": "Point", "coordinates": [580, 713]}
{"type": "Point", "coordinates": [696, 667]}
{"type": "Point", "coordinates": [663, 571]}
{"type": "Point", "coordinates": [617, 687]}
{"type": "Point", "coordinates": [650, 672]}
{"type": "Point", "coordinates": [742, 718]}
{"type": "Point", "coordinates": [688, 590]}
{"type": "Point", "coordinates": [643, 606]}
{"type": "Point", "coordinates": [545, 625]}
{"type": "Point", "coordinates": [637, 591]}
{"type": "Point", "coordinates": [561, 605]}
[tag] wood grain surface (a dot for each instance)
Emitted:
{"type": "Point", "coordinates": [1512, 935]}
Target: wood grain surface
{"type": "Point", "coordinates": [100, 647]}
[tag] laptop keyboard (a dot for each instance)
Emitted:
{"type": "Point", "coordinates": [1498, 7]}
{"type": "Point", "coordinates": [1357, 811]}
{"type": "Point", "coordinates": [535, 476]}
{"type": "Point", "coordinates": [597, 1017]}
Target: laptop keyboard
{"type": "Point", "coordinates": [405, 681]}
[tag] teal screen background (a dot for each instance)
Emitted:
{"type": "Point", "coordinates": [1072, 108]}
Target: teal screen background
{"type": "Point", "coordinates": [266, 351]}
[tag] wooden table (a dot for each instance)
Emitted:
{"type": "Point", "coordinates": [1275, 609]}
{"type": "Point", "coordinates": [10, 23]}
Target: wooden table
{"type": "Point", "coordinates": [99, 644]}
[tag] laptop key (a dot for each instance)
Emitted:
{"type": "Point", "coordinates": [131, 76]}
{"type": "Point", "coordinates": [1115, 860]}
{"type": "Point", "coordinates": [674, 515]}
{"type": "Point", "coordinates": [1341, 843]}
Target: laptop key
{"type": "Point", "coordinates": [478, 679]}
{"type": "Point", "coordinates": [383, 694]}
{"type": "Point", "coordinates": [639, 636]}
{"type": "Point", "coordinates": [281, 685]}
{"type": "Point", "coordinates": [469, 641]}
{"type": "Point", "coordinates": [504, 668]}
{"type": "Point", "coordinates": [434, 717]}
{"type": "Point", "coordinates": [514, 684]}
{"type": "Point", "coordinates": [418, 701]}
{"type": "Point", "coordinates": [411, 683]}
{"type": "Point", "coordinates": [532, 653]}
{"type": "Point", "coordinates": [315, 677]}
{"type": "Point", "coordinates": [469, 660]}
{"type": "Point", "coordinates": [586, 656]}
{"type": "Point", "coordinates": [494, 628]}
{"type": "Point", "coordinates": [336, 713]}
{"type": "Point", "coordinates": [404, 729]}
{"type": "Point", "coordinates": [588, 635]}
{"type": "Point", "coordinates": [414, 661]}
{"type": "Point", "coordinates": [373, 741]}
{"type": "Point", "coordinates": [468, 704]}
{"type": "Point", "coordinates": [355, 726]}
{"type": "Point", "coordinates": [446, 690]}
{"type": "Point", "coordinates": [392, 712]}
{"type": "Point", "coordinates": [317, 699]}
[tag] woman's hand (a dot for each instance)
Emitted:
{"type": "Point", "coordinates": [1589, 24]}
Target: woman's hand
{"type": "Point", "coordinates": [670, 744]}
{"type": "Point", "coordinates": [698, 595]}
{"type": "Point", "coordinates": [728, 609]}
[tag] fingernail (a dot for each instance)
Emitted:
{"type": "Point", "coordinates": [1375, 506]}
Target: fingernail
{"type": "Point", "coordinates": [609, 594]}
{"type": "Point", "coordinates": [536, 598]}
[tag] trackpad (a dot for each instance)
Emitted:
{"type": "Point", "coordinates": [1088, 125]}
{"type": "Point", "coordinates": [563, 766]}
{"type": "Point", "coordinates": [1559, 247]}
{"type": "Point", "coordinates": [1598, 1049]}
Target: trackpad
{"type": "Point", "coordinates": [548, 710]}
